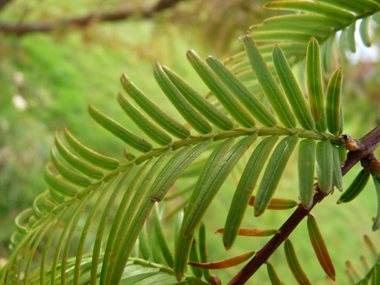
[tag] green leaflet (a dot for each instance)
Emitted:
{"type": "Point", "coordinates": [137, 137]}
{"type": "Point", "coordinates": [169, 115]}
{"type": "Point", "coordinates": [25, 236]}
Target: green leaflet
{"type": "Point", "coordinates": [152, 131]}
{"type": "Point", "coordinates": [203, 250]}
{"type": "Point", "coordinates": [292, 90]}
{"type": "Point", "coordinates": [157, 192]}
{"type": "Point", "coordinates": [376, 275]}
{"type": "Point", "coordinates": [128, 155]}
{"type": "Point", "coordinates": [342, 45]}
{"type": "Point", "coordinates": [103, 223]}
{"type": "Point", "coordinates": [311, 28]}
{"type": "Point", "coordinates": [313, 7]}
{"type": "Point", "coordinates": [119, 131]}
{"type": "Point", "coordinates": [314, 84]}
{"type": "Point", "coordinates": [159, 116]}
{"type": "Point", "coordinates": [355, 188]}
{"type": "Point", "coordinates": [268, 84]}
{"type": "Point", "coordinates": [86, 227]}
{"type": "Point", "coordinates": [229, 102]}
{"type": "Point", "coordinates": [163, 244]}
{"type": "Point", "coordinates": [342, 154]}
{"type": "Point", "coordinates": [144, 244]}
{"type": "Point", "coordinates": [334, 92]}
{"type": "Point", "coordinates": [337, 171]}
{"type": "Point", "coordinates": [183, 244]}
{"type": "Point", "coordinates": [76, 162]}
{"type": "Point", "coordinates": [245, 96]}
{"type": "Point", "coordinates": [273, 173]}
{"type": "Point", "coordinates": [195, 258]}
{"type": "Point", "coordinates": [351, 37]}
{"type": "Point", "coordinates": [59, 185]}
{"type": "Point", "coordinates": [215, 116]}
{"type": "Point", "coordinates": [21, 218]}
{"type": "Point", "coordinates": [214, 182]}
{"type": "Point", "coordinates": [371, 247]}
{"type": "Point", "coordinates": [91, 156]}
{"type": "Point", "coordinates": [364, 31]}
{"type": "Point", "coordinates": [320, 248]}
{"type": "Point", "coordinates": [376, 223]}
{"type": "Point", "coordinates": [357, 6]}
{"type": "Point", "coordinates": [307, 20]}
{"type": "Point", "coordinates": [306, 163]}
{"type": "Point", "coordinates": [119, 218]}
{"type": "Point", "coordinates": [325, 166]}
{"type": "Point", "coordinates": [376, 18]}
{"type": "Point", "coordinates": [273, 275]}
{"type": "Point", "coordinates": [67, 173]}
{"type": "Point", "coordinates": [184, 108]}
{"type": "Point", "coordinates": [244, 190]}
{"type": "Point", "coordinates": [294, 264]}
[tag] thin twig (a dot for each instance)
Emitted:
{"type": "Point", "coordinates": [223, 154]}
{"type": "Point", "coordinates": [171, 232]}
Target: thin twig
{"type": "Point", "coordinates": [368, 144]}
{"type": "Point", "coordinates": [81, 22]}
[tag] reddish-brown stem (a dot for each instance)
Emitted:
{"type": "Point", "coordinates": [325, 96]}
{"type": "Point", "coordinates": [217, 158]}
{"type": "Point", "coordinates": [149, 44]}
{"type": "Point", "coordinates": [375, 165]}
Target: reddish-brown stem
{"type": "Point", "coordinates": [367, 145]}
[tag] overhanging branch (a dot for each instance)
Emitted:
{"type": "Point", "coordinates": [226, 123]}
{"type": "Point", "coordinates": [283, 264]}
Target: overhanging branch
{"type": "Point", "coordinates": [367, 145]}
{"type": "Point", "coordinates": [44, 27]}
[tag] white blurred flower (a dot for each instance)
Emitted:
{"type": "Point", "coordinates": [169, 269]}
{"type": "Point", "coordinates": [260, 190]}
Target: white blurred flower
{"type": "Point", "coordinates": [19, 102]}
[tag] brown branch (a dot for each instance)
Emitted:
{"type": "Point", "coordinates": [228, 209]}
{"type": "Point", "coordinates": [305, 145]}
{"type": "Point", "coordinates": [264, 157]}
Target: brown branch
{"type": "Point", "coordinates": [44, 27]}
{"type": "Point", "coordinates": [367, 145]}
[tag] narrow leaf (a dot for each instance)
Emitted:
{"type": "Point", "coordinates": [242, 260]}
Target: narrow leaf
{"type": "Point", "coordinates": [163, 244]}
{"type": "Point", "coordinates": [229, 102]}
{"type": "Point", "coordinates": [314, 84]}
{"type": "Point", "coordinates": [364, 31]}
{"type": "Point", "coordinates": [203, 250]}
{"type": "Point", "coordinates": [306, 163]}
{"type": "Point", "coordinates": [244, 190]}
{"type": "Point", "coordinates": [277, 204]}
{"type": "Point", "coordinates": [337, 171]}
{"type": "Point", "coordinates": [76, 162]}
{"type": "Point", "coordinates": [215, 116]}
{"type": "Point", "coordinates": [268, 84]}
{"type": "Point", "coordinates": [144, 244]}
{"type": "Point", "coordinates": [21, 218]}
{"type": "Point", "coordinates": [325, 166]}
{"type": "Point", "coordinates": [313, 7]}
{"type": "Point", "coordinates": [376, 223]}
{"type": "Point", "coordinates": [371, 247]}
{"type": "Point", "coordinates": [292, 89]}
{"type": "Point", "coordinates": [119, 131]}
{"type": "Point", "coordinates": [342, 154]}
{"type": "Point", "coordinates": [351, 37]}
{"type": "Point", "coordinates": [225, 263]}
{"type": "Point", "coordinates": [320, 248]}
{"type": "Point", "coordinates": [157, 114]}
{"type": "Point", "coordinates": [254, 232]}
{"type": "Point", "coordinates": [194, 258]}
{"type": "Point", "coordinates": [357, 6]}
{"type": "Point", "coordinates": [352, 271]}
{"type": "Point", "coordinates": [144, 124]}
{"type": "Point", "coordinates": [128, 155]}
{"type": "Point", "coordinates": [273, 275]}
{"type": "Point", "coordinates": [59, 185]}
{"type": "Point", "coordinates": [184, 108]}
{"type": "Point", "coordinates": [214, 183]}
{"type": "Point", "coordinates": [294, 264]}
{"type": "Point", "coordinates": [355, 188]}
{"type": "Point", "coordinates": [91, 156]}
{"type": "Point", "coordinates": [244, 95]}
{"type": "Point", "coordinates": [333, 103]}
{"type": "Point", "coordinates": [343, 45]}
{"type": "Point", "coordinates": [67, 173]}
{"type": "Point", "coordinates": [273, 173]}
{"type": "Point", "coordinates": [155, 246]}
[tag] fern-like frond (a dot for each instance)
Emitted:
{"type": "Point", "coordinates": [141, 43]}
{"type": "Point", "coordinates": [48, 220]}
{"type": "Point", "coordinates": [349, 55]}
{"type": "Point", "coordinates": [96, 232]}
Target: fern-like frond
{"type": "Point", "coordinates": [87, 188]}
{"type": "Point", "coordinates": [325, 20]}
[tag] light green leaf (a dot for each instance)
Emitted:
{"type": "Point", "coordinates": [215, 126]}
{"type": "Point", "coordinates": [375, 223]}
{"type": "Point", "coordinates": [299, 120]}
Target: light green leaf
{"type": "Point", "coordinates": [325, 166]}
{"type": "Point", "coordinates": [294, 265]}
{"type": "Point", "coordinates": [333, 103]}
{"type": "Point", "coordinates": [306, 163]}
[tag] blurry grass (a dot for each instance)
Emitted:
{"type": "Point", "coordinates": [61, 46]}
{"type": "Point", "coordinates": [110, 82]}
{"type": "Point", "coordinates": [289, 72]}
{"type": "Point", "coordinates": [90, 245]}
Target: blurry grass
{"type": "Point", "coordinates": [63, 76]}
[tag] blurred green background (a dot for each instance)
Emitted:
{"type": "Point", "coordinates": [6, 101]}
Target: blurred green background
{"type": "Point", "coordinates": [48, 79]}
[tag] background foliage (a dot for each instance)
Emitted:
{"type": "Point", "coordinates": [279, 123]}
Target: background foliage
{"type": "Point", "coordinates": [55, 76]}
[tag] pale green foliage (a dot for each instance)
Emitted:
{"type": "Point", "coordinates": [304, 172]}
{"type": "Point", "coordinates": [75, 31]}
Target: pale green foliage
{"type": "Point", "coordinates": [225, 131]}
